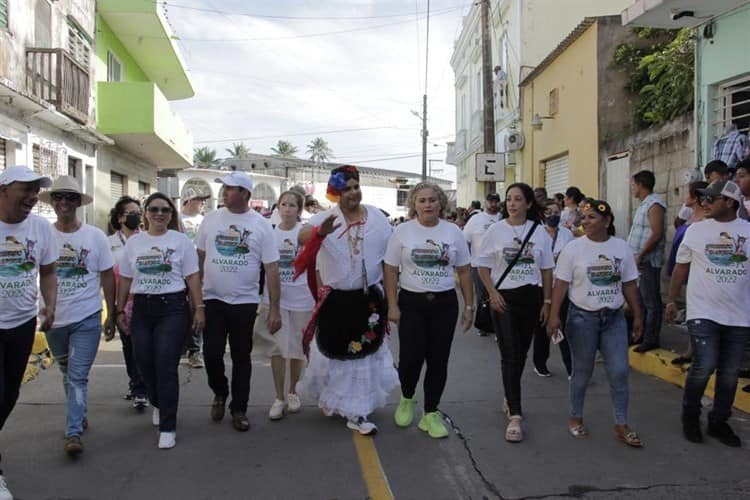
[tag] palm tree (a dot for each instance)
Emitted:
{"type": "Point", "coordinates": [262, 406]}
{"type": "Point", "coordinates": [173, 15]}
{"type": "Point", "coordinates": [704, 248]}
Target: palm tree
{"type": "Point", "coordinates": [319, 150]}
{"type": "Point", "coordinates": [205, 157]}
{"type": "Point", "coordinates": [238, 150]}
{"type": "Point", "coordinates": [284, 149]}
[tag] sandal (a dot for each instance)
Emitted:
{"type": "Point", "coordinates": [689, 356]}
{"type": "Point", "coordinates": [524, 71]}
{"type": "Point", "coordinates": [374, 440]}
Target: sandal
{"type": "Point", "coordinates": [578, 431]}
{"type": "Point", "coordinates": [628, 436]}
{"type": "Point", "coordinates": [513, 433]}
{"type": "Point", "coordinates": [681, 360]}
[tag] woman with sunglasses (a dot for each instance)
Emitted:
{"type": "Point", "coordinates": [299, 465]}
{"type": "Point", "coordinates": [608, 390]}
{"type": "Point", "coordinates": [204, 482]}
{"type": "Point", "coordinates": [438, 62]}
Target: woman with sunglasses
{"type": "Point", "coordinates": [598, 274]}
{"type": "Point", "coordinates": [125, 220]}
{"type": "Point", "coordinates": [522, 300]}
{"type": "Point", "coordinates": [155, 267]}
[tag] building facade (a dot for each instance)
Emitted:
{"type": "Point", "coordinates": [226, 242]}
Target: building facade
{"type": "Point", "coordinates": [139, 69]}
{"type": "Point", "coordinates": [523, 32]}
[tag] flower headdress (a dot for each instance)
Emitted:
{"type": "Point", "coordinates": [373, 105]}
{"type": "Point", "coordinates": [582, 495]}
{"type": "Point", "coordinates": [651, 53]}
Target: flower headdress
{"type": "Point", "coordinates": [337, 181]}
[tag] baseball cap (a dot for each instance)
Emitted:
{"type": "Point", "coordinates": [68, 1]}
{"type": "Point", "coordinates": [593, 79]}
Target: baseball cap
{"type": "Point", "coordinates": [22, 173]}
{"type": "Point", "coordinates": [192, 194]}
{"type": "Point", "coordinates": [493, 197]}
{"type": "Point", "coordinates": [238, 179]}
{"type": "Point", "coordinates": [723, 188]}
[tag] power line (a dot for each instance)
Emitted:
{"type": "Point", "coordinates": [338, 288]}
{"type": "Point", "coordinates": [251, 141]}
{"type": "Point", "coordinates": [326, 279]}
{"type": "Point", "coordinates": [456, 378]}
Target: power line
{"type": "Point", "coordinates": [414, 155]}
{"type": "Point", "coordinates": [297, 134]}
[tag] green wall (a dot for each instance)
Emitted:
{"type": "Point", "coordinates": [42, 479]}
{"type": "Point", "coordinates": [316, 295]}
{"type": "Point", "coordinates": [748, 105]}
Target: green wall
{"type": "Point", "coordinates": [107, 41]}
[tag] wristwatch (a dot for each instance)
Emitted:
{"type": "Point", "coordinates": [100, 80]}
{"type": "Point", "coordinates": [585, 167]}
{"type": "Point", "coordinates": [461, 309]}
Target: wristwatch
{"type": "Point", "coordinates": [548, 301]}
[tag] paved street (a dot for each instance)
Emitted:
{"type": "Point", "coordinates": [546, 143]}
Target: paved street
{"type": "Point", "coordinates": [311, 456]}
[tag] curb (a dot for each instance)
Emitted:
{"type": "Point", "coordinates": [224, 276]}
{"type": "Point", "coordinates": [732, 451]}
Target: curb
{"type": "Point", "coordinates": [658, 363]}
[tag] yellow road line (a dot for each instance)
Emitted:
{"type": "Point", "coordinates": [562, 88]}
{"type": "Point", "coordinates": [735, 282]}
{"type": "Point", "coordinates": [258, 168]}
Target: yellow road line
{"type": "Point", "coordinates": [372, 471]}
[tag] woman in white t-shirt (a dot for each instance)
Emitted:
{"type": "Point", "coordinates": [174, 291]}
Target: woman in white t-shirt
{"type": "Point", "coordinates": [429, 251]}
{"type": "Point", "coordinates": [523, 298]}
{"type": "Point", "coordinates": [155, 267]}
{"type": "Point", "coordinates": [598, 274]}
{"type": "Point", "coordinates": [297, 304]}
{"type": "Point", "coordinates": [125, 218]}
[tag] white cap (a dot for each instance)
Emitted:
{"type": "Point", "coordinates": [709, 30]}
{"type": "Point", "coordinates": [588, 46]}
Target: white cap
{"type": "Point", "coordinates": [239, 179]}
{"type": "Point", "coordinates": [22, 173]}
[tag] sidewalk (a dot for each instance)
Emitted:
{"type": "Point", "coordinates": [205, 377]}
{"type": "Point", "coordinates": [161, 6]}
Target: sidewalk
{"type": "Point", "coordinates": [674, 340]}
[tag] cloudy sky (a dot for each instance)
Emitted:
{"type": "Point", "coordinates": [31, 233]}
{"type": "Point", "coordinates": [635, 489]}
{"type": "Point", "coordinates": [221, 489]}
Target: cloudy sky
{"type": "Point", "coordinates": [295, 70]}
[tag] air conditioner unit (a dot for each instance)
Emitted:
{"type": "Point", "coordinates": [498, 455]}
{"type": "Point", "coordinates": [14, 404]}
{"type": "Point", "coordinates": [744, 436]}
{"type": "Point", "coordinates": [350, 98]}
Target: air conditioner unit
{"type": "Point", "coordinates": [514, 141]}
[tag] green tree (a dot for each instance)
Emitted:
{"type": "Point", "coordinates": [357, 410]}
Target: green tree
{"type": "Point", "coordinates": [238, 150]}
{"type": "Point", "coordinates": [285, 149]}
{"type": "Point", "coordinates": [660, 73]}
{"type": "Point", "coordinates": [319, 150]}
{"type": "Point", "coordinates": [204, 157]}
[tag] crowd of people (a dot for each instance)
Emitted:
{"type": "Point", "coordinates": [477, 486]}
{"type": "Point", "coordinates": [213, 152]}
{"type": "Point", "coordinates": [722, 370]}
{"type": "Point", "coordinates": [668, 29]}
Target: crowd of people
{"type": "Point", "coordinates": [327, 288]}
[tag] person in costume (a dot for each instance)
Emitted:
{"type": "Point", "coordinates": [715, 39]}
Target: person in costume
{"type": "Point", "coordinates": [350, 369]}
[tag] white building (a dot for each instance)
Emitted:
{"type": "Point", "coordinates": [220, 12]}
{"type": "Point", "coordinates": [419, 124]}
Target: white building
{"type": "Point", "coordinates": [523, 32]}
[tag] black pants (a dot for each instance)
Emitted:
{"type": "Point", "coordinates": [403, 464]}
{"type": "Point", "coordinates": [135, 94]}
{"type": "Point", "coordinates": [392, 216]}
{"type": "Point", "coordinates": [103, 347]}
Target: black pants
{"type": "Point", "coordinates": [428, 321]}
{"type": "Point", "coordinates": [15, 348]}
{"type": "Point", "coordinates": [541, 342]}
{"type": "Point", "coordinates": [136, 387]}
{"type": "Point", "coordinates": [515, 331]}
{"type": "Point", "coordinates": [235, 322]}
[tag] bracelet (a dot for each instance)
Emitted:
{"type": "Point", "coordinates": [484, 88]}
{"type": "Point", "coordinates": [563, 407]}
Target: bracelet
{"type": "Point", "coordinates": [548, 301]}
{"type": "Point", "coordinates": [199, 306]}
{"type": "Point", "coordinates": [469, 308]}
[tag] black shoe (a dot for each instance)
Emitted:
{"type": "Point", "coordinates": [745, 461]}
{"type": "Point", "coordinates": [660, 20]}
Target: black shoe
{"type": "Point", "coordinates": [217, 409]}
{"type": "Point", "coordinates": [724, 433]}
{"type": "Point", "coordinates": [542, 371]}
{"type": "Point", "coordinates": [645, 347]}
{"type": "Point", "coordinates": [691, 429]}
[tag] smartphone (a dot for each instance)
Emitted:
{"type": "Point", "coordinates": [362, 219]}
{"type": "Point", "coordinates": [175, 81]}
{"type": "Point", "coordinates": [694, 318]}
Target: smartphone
{"type": "Point", "coordinates": [557, 337]}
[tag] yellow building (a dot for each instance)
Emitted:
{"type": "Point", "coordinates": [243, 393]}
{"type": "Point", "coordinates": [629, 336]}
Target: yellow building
{"type": "Point", "coordinates": [570, 104]}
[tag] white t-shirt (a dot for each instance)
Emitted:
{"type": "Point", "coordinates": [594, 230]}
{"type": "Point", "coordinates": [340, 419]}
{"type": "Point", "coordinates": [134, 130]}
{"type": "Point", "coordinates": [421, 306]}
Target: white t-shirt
{"type": "Point", "coordinates": [596, 271]}
{"type": "Point", "coordinates": [686, 214]}
{"type": "Point", "coordinates": [564, 236]}
{"type": "Point", "coordinates": [475, 229]}
{"type": "Point", "coordinates": [190, 224]}
{"type": "Point", "coordinates": [427, 255]}
{"type": "Point", "coordinates": [501, 244]}
{"type": "Point", "coordinates": [83, 254]}
{"type": "Point", "coordinates": [342, 252]}
{"type": "Point", "coordinates": [23, 248]}
{"type": "Point", "coordinates": [719, 282]}
{"type": "Point", "coordinates": [158, 264]}
{"type": "Point", "coordinates": [295, 295]}
{"type": "Point", "coordinates": [235, 246]}
{"type": "Point", "coordinates": [117, 246]}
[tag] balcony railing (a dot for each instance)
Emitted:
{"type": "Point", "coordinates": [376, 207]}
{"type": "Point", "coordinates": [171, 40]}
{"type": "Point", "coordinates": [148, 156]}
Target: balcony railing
{"type": "Point", "coordinates": [54, 76]}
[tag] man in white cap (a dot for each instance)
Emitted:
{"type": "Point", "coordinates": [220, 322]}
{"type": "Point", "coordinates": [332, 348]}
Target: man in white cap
{"type": "Point", "coordinates": [233, 242]}
{"type": "Point", "coordinates": [84, 267]}
{"type": "Point", "coordinates": [713, 259]}
{"type": "Point", "coordinates": [191, 218]}
{"type": "Point", "coordinates": [27, 254]}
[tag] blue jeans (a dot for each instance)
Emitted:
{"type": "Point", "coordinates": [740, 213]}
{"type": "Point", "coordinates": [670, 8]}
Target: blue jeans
{"type": "Point", "coordinates": [158, 328]}
{"type": "Point", "coordinates": [605, 330]}
{"type": "Point", "coordinates": [650, 288]}
{"type": "Point", "coordinates": [74, 347]}
{"type": "Point", "coordinates": [715, 347]}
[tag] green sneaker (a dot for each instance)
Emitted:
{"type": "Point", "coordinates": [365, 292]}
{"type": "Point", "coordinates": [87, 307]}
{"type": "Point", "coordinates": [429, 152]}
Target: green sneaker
{"type": "Point", "coordinates": [405, 412]}
{"type": "Point", "coordinates": [432, 423]}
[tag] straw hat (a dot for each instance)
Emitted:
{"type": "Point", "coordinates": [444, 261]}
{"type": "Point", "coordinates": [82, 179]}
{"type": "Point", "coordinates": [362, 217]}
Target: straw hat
{"type": "Point", "coordinates": [65, 184]}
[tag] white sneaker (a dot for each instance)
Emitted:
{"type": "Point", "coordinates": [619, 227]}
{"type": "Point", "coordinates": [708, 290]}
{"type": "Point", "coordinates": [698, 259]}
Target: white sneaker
{"type": "Point", "coordinates": [5, 493]}
{"type": "Point", "coordinates": [362, 425]}
{"type": "Point", "coordinates": [155, 417]}
{"type": "Point", "coordinates": [277, 410]}
{"type": "Point", "coordinates": [293, 403]}
{"type": "Point", "coordinates": [167, 440]}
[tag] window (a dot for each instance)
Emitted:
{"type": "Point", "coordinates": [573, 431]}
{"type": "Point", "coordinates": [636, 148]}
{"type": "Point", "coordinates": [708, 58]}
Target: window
{"type": "Point", "coordinates": [554, 102]}
{"type": "Point", "coordinates": [73, 166]}
{"type": "Point", "coordinates": [401, 196]}
{"type": "Point", "coordinates": [116, 187]}
{"type": "Point", "coordinates": [78, 46]}
{"type": "Point", "coordinates": [42, 24]}
{"type": "Point", "coordinates": [732, 107]}
{"type": "Point", "coordinates": [114, 68]}
{"type": "Point", "coordinates": [45, 160]}
{"type": "Point", "coordinates": [4, 14]}
{"type": "Point", "coordinates": [2, 152]}
{"type": "Point", "coordinates": [144, 189]}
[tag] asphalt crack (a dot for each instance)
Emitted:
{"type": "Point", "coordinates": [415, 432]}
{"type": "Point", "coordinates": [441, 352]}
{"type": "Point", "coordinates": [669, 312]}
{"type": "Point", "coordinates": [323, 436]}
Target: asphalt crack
{"type": "Point", "coordinates": [580, 490]}
{"type": "Point", "coordinates": [475, 465]}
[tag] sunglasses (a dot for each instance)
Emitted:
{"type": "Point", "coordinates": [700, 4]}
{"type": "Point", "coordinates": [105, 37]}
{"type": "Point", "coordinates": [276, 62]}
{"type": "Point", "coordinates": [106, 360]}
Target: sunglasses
{"type": "Point", "coordinates": [709, 198]}
{"type": "Point", "coordinates": [65, 196]}
{"type": "Point", "coordinates": [157, 210]}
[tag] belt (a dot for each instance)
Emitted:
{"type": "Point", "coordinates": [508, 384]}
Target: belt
{"type": "Point", "coordinates": [428, 296]}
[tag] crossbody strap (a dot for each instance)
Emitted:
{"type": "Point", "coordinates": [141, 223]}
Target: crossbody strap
{"type": "Point", "coordinates": [518, 255]}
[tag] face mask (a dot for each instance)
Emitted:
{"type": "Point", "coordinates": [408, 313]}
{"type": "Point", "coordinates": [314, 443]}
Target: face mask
{"type": "Point", "coordinates": [552, 220]}
{"type": "Point", "coordinates": [132, 221]}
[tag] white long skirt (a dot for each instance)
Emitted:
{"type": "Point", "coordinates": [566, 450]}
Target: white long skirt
{"type": "Point", "coordinates": [350, 388]}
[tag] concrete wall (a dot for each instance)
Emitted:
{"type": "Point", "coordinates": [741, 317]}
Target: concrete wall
{"type": "Point", "coordinates": [719, 60]}
{"type": "Point", "coordinates": [573, 130]}
{"type": "Point", "coordinates": [114, 159]}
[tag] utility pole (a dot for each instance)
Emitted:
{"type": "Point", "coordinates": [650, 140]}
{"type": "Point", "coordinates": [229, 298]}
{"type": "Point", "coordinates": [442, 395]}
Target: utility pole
{"type": "Point", "coordinates": [488, 110]}
{"type": "Point", "coordinates": [424, 138]}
